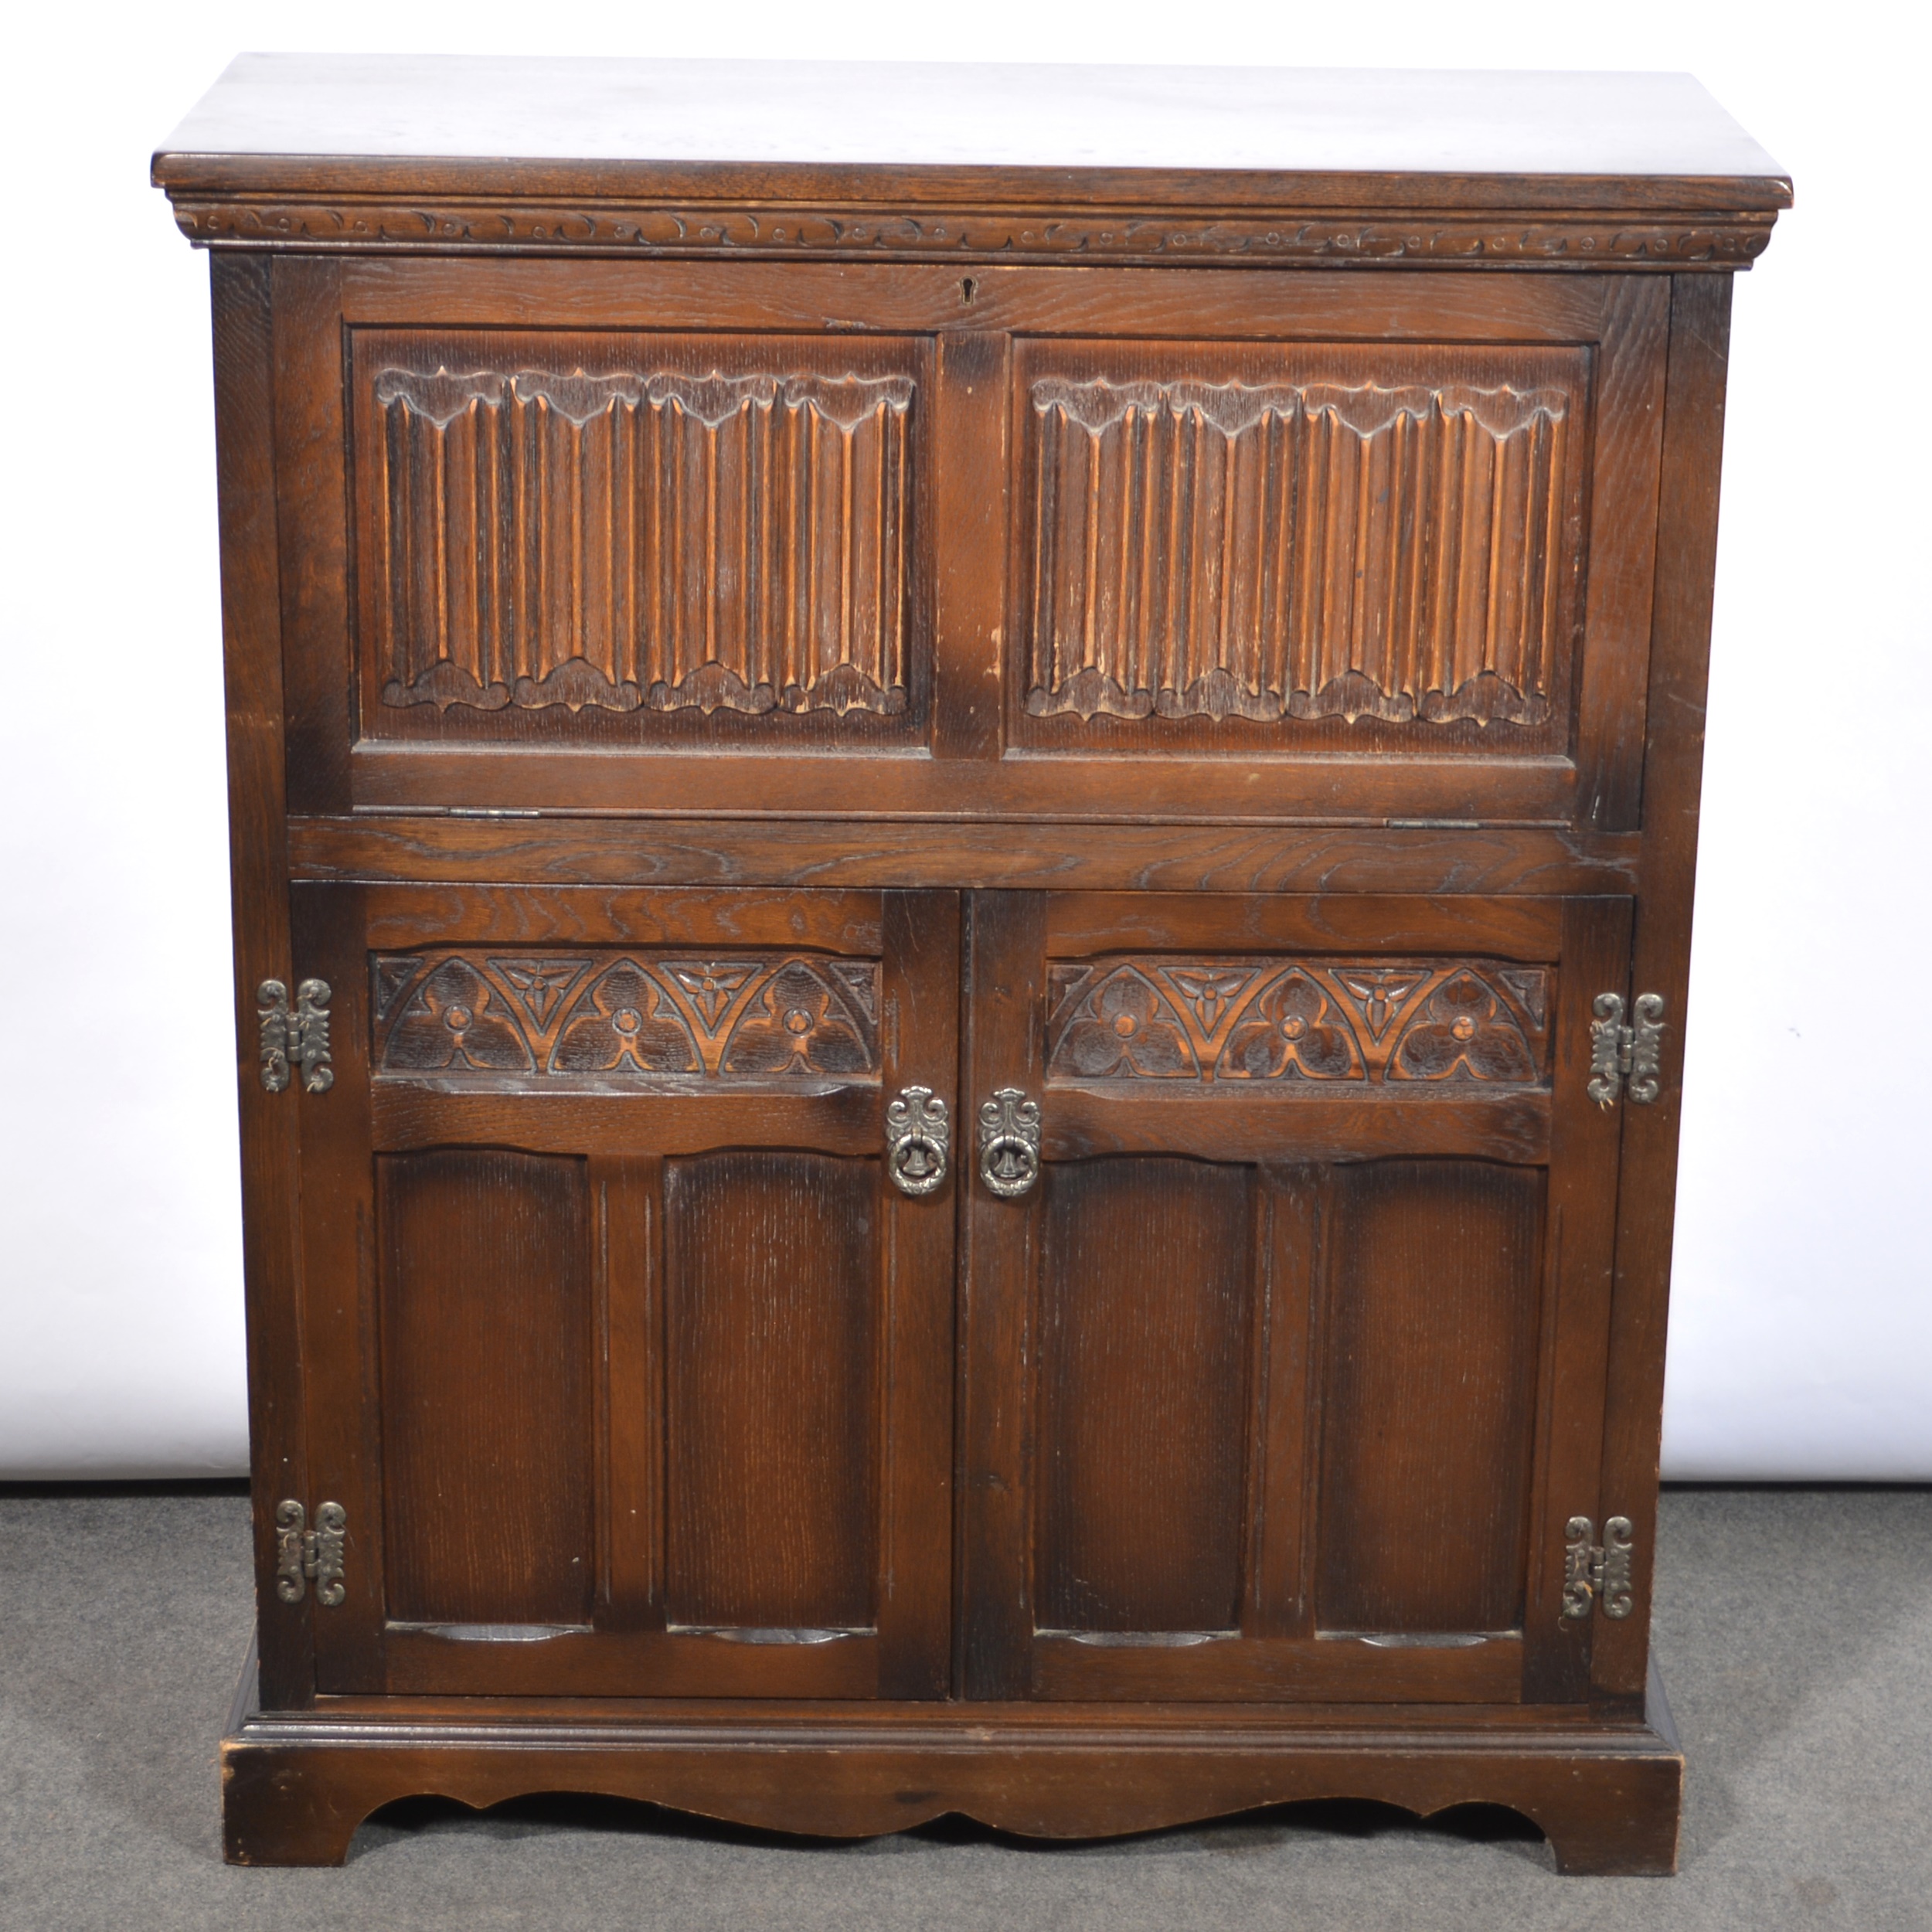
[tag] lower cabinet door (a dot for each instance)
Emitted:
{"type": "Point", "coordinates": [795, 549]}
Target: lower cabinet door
{"type": "Point", "coordinates": [1285, 1352]}
{"type": "Point", "coordinates": [628, 1361]}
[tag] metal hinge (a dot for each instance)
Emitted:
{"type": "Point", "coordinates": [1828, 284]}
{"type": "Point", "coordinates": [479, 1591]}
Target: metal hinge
{"type": "Point", "coordinates": [1618, 1053]}
{"type": "Point", "coordinates": [301, 1037]}
{"type": "Point", "coordinates": [1596, 1572]}
{"type": "Point", "coordinates": [303, 1555]}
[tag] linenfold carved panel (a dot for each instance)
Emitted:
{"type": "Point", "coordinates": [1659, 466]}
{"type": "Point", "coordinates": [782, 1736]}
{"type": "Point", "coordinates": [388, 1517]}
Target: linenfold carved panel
{"type": "Point", "coordinates": [630, 540]}
{"type": "Point", "coordinates": [615, 1014]}
{"type": "Point", "coordinates": [1370, 1021]}
{"type": "Point", "coordinates": [1299, 548]}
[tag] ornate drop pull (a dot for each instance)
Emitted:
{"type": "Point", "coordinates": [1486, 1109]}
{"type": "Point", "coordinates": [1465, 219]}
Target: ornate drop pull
{"type": "Point", "coordinates": [918, 1132]}
{"type": "Point", "coordinates": [1009, 1143]}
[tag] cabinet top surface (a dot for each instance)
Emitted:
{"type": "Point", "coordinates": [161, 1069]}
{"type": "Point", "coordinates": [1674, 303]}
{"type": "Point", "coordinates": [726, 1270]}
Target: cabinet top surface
{"type": "Point", "coordinates": [332, 123]}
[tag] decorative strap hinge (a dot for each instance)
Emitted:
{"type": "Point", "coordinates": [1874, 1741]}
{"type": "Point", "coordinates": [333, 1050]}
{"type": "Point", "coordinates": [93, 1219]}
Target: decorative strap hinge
{"type": "Point", "coordinates": [305, 1555]}
{"type": "Point", "coordinates": [1596, 1572]}
{"type": "Point", "coordinates": [1618, 1053]}
{"type": "Point", "coordinates": [300, 1038]}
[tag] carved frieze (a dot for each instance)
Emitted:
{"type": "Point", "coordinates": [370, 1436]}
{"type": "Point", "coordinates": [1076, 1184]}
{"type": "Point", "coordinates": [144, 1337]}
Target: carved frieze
{"type": "Point", "coordinates": [1074, 232]}
{"type": "Point", "coordinates": [1283, 550]}
{"type": "Point", "coordinates": [634, 540]}
{"type": "Point", "coordinates": [1322, 1021]}
{"type": "Point", "coordinates": [624, 1014]}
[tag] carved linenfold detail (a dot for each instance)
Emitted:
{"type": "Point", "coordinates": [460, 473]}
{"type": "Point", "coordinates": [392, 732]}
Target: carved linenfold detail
{"type": "Point", "coordinates": [1328, 1021]}
{"type": "Point", "coordinates": [632, 541]}
{"type": "Point", "coordinates": [1075, 232]}
{"type": "Point", "coordinates": [620, 1015]}
{"type": "Point", "coordinates": [1282, 551]}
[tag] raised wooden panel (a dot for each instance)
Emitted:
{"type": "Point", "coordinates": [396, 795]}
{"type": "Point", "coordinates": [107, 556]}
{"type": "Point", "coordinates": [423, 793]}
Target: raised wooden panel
{"type": "Point", "coordinates": [486, 1403]}
{"type": "Point", "coordinates": [771, 1401]}
{"type": "Point", "coordinates": [1429, 1396]}
{"type": "Point", "coordinates": [624, 523]}
{"type": "Point", "coordinates": [557, 1014]}
{"type": "Point", "coordinates": [1324, 532]}
{"type": "Point", "coordinates": [1372, 1021]}
{"type": "Point", "coordinates": [1147, 1311]}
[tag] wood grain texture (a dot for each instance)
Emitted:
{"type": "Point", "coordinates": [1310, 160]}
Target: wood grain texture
{"type": "Point", "coordinates": [271, 1230]}
{"type": "Point", "coordinates": [311, 443]}
{"type": "Point", "coordinates": [1348, 533]}
{"type": "Point", "coordinates": [1147, 860]}
{"type": "Point", "coordinates": [1430, 1396]}
{"type": "Point", "coordinates": [486, 1350]}
{"type": "Point", "coordinates": [1146, 1314]}
{"type": "Point", "coordinates": [1673, 769]}
{"type": "Point", "coordinates": [771, 1302]}
{"type": "Point", "coordinates": [1579, 1246]}
{"type": "Point", "coordinates": [616, 530]}
{"type": "Point", "coordinates": [1012, 299]}
{"type": "Point", "coordinates": [919, 1362]}
{"type": "Point", "coordinates": [1004, 985]}
{"type": "Point", "coordinates": [1605, 1794]}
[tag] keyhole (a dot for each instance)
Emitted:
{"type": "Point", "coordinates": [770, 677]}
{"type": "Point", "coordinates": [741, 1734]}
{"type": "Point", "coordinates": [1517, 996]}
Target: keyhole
{"type": "Point", "coordinates": [968, 289]}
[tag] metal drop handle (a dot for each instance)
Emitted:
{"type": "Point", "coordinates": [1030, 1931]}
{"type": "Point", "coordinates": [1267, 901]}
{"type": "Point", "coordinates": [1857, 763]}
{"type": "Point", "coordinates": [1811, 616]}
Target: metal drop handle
{"type": "Point", "coordinates": [1009, 1143]}
{"type": "Point", "coordinates": [919, 1131]}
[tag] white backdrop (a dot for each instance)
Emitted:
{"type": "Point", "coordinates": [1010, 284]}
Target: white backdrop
{"type": "Point", "coordinates": [1801, 1331]}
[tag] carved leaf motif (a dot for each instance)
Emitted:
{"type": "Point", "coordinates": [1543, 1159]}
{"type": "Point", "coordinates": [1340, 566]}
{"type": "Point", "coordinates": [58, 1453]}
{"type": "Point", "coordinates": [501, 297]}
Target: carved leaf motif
{"type": "Point", "coordinates": [624, 1019]}
{"type": "Point", "coordinates": [390, 974]}
{"type": "Point", "coordinates": [454, 1019]}
{"type": "Point", "coordinates": [629, 542]}
{"type": "Point", "coordinates": [1401, 549]}
{"type": "Point", "coordinates": [1321, 1020]}
{"type": "Point", "coordinates": [574, 1015]}
{"type": "Point", "coordinates": [713, 986]}
{"type": "Point", "coordinates": [1126, 1028]}
{"type": "Point", "coordinates": [1294, 1030]}
{"type": "Point", "coordinates": [1208, 991]}
{"type": "Point", "coordinates": [798, 1024]}
{"type": "Point", "coordinates": [1379, 992]}
{"type": "Point", "coordinates": [542, 984]}
{"type": "Point", "coordinates": [1462, 1030]}
{"type": "Point", "coordinates": [1531, 986]}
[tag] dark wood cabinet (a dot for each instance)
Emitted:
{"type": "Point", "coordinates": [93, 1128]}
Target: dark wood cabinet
{"type": "Point", "coordinates": [961, 900]}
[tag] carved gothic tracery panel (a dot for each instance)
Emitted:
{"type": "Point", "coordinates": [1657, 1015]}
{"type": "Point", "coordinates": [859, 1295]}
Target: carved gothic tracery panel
{"type": "Point", "coordinates": [617, 1014]}
{"type": "Point", "coordinates": [633, 540]}
{"type": "Point", "coordinates": [1302, 549]}
{"type": "Point", "coordinates": [1327, 1021]}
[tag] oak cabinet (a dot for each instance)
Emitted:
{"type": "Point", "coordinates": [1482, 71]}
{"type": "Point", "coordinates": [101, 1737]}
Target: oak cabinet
{"type": "Point", "coordinates": [961, 900]}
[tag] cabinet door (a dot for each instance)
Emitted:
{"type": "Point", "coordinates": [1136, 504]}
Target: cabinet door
{"type": "Point", "coordinates": [1285, 1376]}
{"type": "Point", "coordinates": [626, 1359]}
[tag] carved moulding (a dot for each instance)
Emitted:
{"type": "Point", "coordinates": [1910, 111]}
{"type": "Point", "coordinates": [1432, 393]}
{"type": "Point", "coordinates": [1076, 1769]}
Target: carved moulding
{"type": "Point", "coordinates": [626, 541]}
{"type": "Point", "coordinates": [1325, 1022]}
{"type": "Point", "coordinates": [1041, 233]}
{"type": "Point", "coordinates": [550, 1015]}
{"type": "Point", "coordinates": [1402, 549]}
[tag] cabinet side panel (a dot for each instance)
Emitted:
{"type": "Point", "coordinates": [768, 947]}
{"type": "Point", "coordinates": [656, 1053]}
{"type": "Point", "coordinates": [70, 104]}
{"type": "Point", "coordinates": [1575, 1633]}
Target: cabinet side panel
{"type": "Point", "coordinates": [1430, 1396]}
{"type": "Point", "coordinates": [258, 870]}
{"type": "Point", "coordinates": [1145, 1323]}
{"type": "Point", "coordinates": [487, 1421]}
{"type": "Point", "coordinates": [771, 1407]}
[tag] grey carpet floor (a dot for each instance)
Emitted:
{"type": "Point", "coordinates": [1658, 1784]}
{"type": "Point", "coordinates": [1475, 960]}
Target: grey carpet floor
{"type": "Point", "coordinates": [1794, 1627]}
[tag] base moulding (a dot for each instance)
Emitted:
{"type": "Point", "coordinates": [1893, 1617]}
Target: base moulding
{"type": "Point", "coordinates": [296, 1784]}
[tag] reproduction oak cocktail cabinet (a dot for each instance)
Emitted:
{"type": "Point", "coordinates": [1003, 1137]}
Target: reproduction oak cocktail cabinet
{"type": "Point", "coordinates": [963, 808]}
